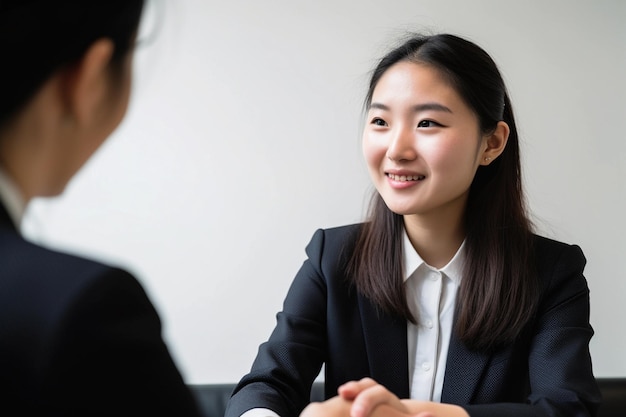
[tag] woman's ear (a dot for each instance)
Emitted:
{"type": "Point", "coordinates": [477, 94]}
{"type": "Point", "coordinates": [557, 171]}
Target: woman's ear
{"type": "Point", "coordinates": [86, 83]}
{"type": "Point", "coordinates": [495, 143]}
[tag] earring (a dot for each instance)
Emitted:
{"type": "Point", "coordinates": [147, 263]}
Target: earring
{"type": "Point", "coordinates": [487, 158]}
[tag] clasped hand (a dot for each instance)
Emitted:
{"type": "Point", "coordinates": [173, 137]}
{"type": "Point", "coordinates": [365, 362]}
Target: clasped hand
{"type": "Point", "coordinates": [367, 398]}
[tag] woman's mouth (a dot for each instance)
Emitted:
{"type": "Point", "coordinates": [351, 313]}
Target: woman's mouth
{"type": "Point", "coordinates": [403, 178]}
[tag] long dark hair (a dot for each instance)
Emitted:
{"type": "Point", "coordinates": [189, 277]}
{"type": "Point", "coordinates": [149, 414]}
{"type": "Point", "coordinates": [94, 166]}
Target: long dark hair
{"type": "Point", "coordinates": [39, 37]}
{"type": "Point", "coordinates": [499, 289]}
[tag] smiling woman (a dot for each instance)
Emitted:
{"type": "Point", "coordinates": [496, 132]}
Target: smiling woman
{"type": "Point", "coordinates": [420, 151]}
{"type": "Point", "coordinates": [444, 297]}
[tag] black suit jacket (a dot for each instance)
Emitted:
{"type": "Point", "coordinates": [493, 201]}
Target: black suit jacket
{"type": "Point", "coordinates": [546, 372]}
{"type": "Point", "coordinates": [79, 338]}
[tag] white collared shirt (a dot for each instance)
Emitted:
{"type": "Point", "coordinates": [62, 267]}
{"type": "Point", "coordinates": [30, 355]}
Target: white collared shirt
{"type": "Point", "coordinates": [12, 198]}
{"type": "Point", "coordinates": [431, 295]}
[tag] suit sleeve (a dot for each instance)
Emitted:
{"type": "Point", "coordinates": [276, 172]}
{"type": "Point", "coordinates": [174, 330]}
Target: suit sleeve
{"type": "Point", "coordinates": [109, 358]}
{"type": "Point", "coordinates": [287, 364]}
{"type": "Point", "coordinates": [561, 381]}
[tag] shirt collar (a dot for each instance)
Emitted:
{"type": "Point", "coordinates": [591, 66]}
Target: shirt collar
{"type": "Point", "coordinates": [412, 261]}
{"type": "Point", "coordinates": [12, 199]}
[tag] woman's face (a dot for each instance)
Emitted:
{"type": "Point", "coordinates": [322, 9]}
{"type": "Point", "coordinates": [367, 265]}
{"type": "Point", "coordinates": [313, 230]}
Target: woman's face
{"type": "Point", "coordinates": [421, 142]}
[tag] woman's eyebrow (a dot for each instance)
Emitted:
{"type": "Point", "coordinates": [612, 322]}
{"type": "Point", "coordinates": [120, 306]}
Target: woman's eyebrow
{"type": "Point", "coordinates": [431, 106]}
{"type": "Point", "coordinates": [378, 106]}
{"type": "Point", "coordinates": [417, 108]}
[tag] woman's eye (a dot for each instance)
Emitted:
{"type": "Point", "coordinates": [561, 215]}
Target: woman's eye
{"type": "Point", "coordinates": [427, 123]}
{"type": "Point", "coordinates": [379, 122]}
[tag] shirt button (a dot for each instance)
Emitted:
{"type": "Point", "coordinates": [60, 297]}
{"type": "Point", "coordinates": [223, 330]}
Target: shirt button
{"type": "Point", "coordinates": [426, 366]}
{"type": "Point", "coordinates": [434, 276]}
{"type": "Point", "coordinates": [429, 324]}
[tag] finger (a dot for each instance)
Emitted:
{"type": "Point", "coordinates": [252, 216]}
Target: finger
{"type": "Point", "coordinates": [370, 398]}
{"type": "Point", "coordinates": [351, 389]}
{"type": "Point", "coordinates": [388, 411]}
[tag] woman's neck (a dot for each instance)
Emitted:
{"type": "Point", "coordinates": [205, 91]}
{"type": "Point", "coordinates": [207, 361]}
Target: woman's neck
{"type": "Point", "coordinates": [436, 238]}
{"type": "Point", "coordinates": [30, 144]}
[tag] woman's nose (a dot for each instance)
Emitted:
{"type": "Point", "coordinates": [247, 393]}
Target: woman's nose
{"type": "Point", "coordinates": [402, 145]}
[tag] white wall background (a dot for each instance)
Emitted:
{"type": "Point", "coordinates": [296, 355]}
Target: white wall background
{"type": "Point", "coordinates": [243, 137]}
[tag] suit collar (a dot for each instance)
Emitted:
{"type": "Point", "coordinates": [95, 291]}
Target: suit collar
{"type": "Point", "coordinates": [464, 371]}
{"type": "Point", "coordinates": [386, 347]}
{"type": "Point", "coordinates": [387, 355]}
{"type": "Point", "coordinates": [11, 199]}
{"type": "Point", "coordinates": [6, 222]}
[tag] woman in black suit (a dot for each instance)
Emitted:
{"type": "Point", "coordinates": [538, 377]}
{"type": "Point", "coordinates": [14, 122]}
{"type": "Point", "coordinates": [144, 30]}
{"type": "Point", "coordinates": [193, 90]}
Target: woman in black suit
{"type": "Point", "coordinates": [77, 338]}
{"type": "Point", "coordinates": [444, 297]}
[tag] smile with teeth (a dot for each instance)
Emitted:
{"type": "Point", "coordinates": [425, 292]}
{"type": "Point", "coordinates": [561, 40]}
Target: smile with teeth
{"type": "Point", "coordinates": [402, 178]}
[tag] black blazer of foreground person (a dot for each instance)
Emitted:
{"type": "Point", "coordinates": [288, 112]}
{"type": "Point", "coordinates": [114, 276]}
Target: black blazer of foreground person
{"type": "Point", "coordinates": [77, 337]}
{"type": "Point", "coordinates": [444, 298]}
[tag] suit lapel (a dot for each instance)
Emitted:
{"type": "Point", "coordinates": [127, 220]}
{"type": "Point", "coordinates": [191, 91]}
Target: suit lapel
{"type": "Point", "coordinates": [464, 371]}
{"type": "Point", "coordinates": [386, 347]}
{"type": "Point", "coordinates": [5, 219]}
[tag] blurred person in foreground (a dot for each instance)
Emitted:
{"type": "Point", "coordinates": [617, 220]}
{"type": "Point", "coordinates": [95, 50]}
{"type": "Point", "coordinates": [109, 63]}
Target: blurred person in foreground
{"type": "Point", "coordinates": [77, 337]}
